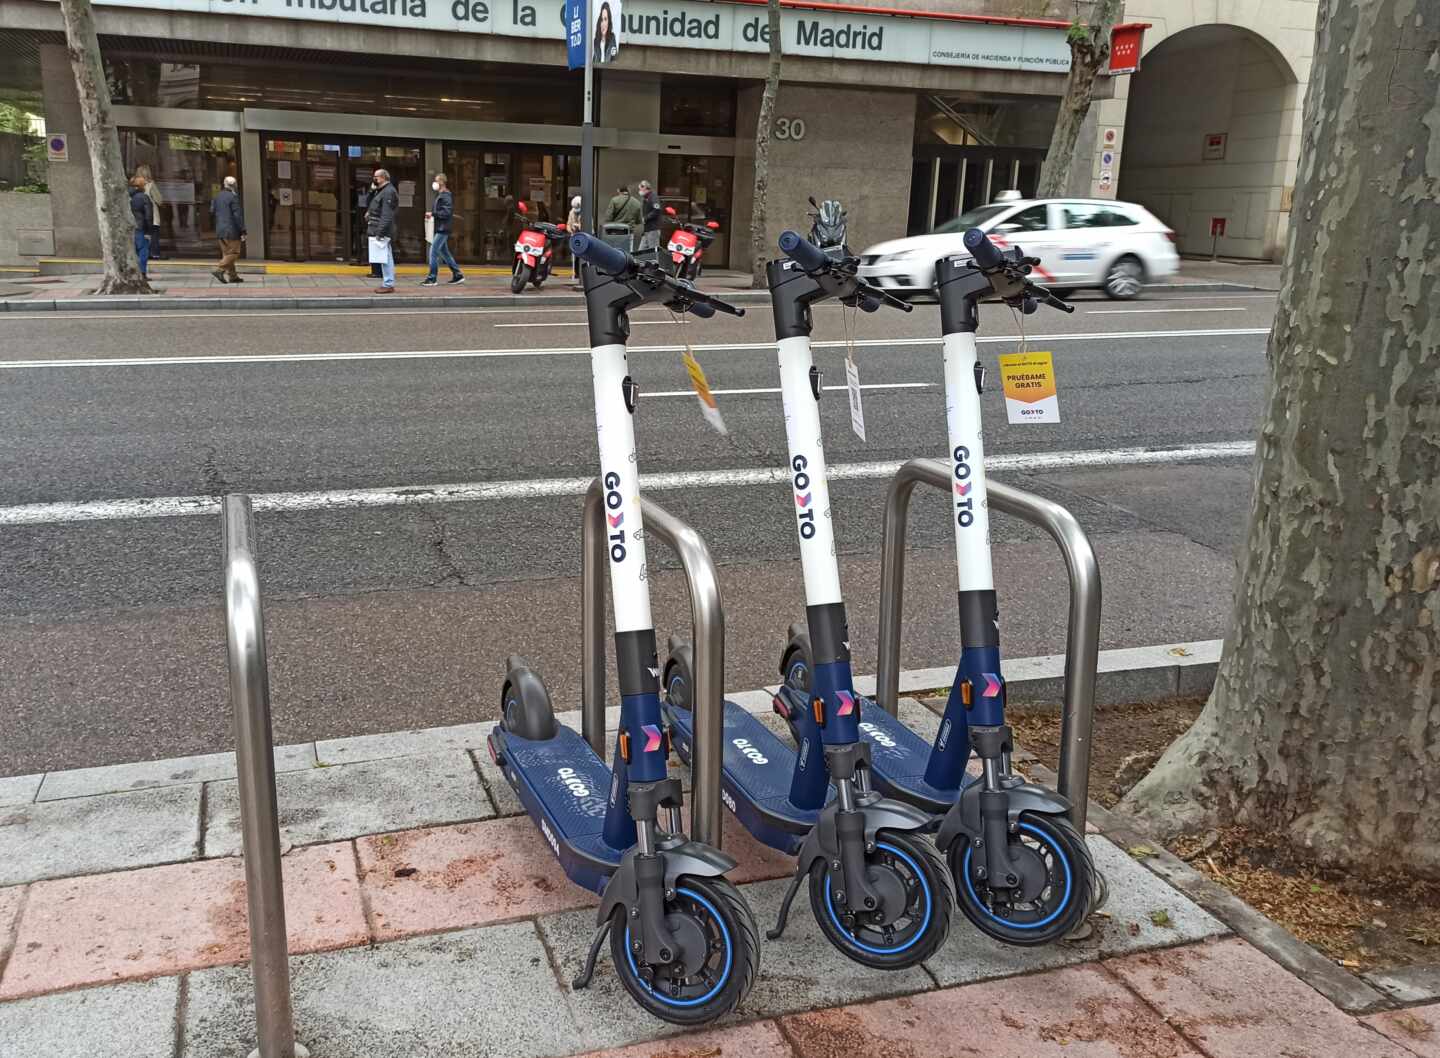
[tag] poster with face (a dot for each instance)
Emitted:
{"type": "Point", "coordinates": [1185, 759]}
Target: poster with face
{"type": "Point", "coordinates": [607, 31]}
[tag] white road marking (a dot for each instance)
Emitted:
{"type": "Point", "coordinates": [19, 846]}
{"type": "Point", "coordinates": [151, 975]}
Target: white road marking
{"type": "Point", "coordinates": [1120, 312]}
{"type": "Point", "coordinates": [581, 323]}
{"type": "Point", "coordinates": [776, 389]}
{"type": "Point", "coordinates": [449, 354]}
{"type": "Point", "coordinates": [541, 488]}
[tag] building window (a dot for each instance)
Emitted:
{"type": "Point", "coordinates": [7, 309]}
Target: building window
{"type": "Point", "coordinates": [189, 169]}
{"type": "Point", "coordinates": [697, 106]}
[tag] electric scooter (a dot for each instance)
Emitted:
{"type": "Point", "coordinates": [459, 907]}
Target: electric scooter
{"type": "Point", "coordinates": [877, 886]}
{"type": "Point", "coordinates": [534, 251]}
{"type": "Point", "coordinates": [687, 245]}
{"type": "Point", "coordinates": [683, 939]}
{"type": "Point", "coordinates": [1022, 874]}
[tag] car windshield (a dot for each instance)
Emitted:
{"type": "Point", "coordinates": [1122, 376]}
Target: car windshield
{"type": "Point", "coordinates": [975, 217]}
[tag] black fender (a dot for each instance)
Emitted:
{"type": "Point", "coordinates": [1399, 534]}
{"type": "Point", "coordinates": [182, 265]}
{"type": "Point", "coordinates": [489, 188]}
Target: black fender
{"type": "Point", "coordinates": [822, 843]}
{"type": "Point", "coordinates": [681, 859]}
{"type": "Point", "coordinates": [963, 819]}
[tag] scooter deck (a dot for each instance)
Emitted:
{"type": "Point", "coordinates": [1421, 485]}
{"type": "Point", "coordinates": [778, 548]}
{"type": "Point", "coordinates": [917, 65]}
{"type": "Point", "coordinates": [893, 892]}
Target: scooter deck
{"type": "Point", "coordinates": [565, 788]}
{"type": "Point", "coordinates": [898, 758]}
{"type": "Point", "coordinates": [755, 776]}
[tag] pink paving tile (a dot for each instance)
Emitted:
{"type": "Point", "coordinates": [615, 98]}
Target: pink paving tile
{"type": "Point", "coordinates": [758, 1040]}
{"type": "Point", "coordinates": [162, 920]}
{"type": "Point", "coordinates": [10, 901]}
{"type": "Point", "coordinates": [1416, 1029]}
{"type": "Point", "coordinates": [757, 862]}
{"type": "Point", "coordinates": [1229, 999]}
{"type": "Point", "coordinates": [1078, 1012]}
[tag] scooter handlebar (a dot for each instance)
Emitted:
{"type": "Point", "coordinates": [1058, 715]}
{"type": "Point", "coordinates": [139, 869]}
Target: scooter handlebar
{"type": "Point", "coordinates": [804, 253]}
{"type": "Point", "coordinates": [602, 255]}
{"type": "Point", "coordinates": [985, 253]}
{"type": "Point", "coordinates": [702, 310]}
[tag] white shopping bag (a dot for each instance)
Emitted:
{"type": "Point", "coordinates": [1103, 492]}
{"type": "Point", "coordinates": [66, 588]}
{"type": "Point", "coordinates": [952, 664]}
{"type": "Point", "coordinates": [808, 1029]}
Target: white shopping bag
{"type": "Point", "coordinates": [429, 229]}
{"type": "Point", "coordinates": [379, 250]}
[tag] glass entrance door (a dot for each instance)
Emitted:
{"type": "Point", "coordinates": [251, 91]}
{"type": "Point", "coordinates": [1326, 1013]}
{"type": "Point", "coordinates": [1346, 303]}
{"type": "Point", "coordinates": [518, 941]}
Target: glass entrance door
{"type": "Point", "coordinates": [488, 181]}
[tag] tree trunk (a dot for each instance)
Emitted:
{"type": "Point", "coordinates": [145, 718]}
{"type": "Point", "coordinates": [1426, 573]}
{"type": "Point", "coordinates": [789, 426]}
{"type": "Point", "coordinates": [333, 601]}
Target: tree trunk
{"type": "Point", "coordinates": [759, 249]}
{"type": "Point", "coordinates": [112, 201]}
{"type": "Point", "coordinates": [1324, 723]}
{"type": "Point", "coordinates": [1089, 52]}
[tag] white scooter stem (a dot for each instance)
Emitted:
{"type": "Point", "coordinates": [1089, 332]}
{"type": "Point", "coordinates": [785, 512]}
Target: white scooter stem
{"type": "Point", "coordinates": [809, 482]}
{"type": "Point", "coordinates": [620, 490]}
{"type": "Point", "coordinates": [969, 511]}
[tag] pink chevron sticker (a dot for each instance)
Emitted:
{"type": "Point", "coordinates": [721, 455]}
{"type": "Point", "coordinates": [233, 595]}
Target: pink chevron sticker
{"type": "Point", "coordinates": [992, 685]}
{"type": "Point", "coordinates": [847, 703]}
{"type": "Point", "coordinates": [803, 501]}
{"type": "Point", "coordinates": [962, 488]}
{"type": "Point", "coordinates": [616, 519]}
{"type": "Point", "coordinates": [652, 737]}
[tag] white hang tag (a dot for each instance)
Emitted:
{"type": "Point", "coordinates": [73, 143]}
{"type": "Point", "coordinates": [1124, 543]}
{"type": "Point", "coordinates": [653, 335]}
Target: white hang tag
{"type": "Point", "coordinates": [852, 384]}
{"type": "Point", "coordinates": [701, 386]}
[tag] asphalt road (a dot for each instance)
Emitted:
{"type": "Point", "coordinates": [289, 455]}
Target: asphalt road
{"type": "Point", "coordinates": [384, 617]}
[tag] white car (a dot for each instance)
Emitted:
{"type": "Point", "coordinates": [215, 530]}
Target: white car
{"type": "Point", "coordinates": [1116, 247]}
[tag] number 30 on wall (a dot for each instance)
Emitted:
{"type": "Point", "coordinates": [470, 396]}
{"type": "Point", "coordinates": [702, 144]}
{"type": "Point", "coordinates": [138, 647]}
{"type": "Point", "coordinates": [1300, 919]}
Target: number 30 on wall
{"type": "Point", "coordinates": [789, 128]}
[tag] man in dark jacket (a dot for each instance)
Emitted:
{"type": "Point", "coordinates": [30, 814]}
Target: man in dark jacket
{"type": "Point", "coordinates": [625, 209]}
{"type": "Point", "coordinates": [442, 213]}
{"type": "Point", "coordinates": [229, 220]}
{"type": "Point", "coordinates": [650, 211]}
{"type": "Point", "coordinates": [143, 211]}
{"type": "Point", "coordinates": [380, 227]}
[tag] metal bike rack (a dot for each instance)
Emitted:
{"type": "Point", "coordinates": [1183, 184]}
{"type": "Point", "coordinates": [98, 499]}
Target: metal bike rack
{"type": "Point", "coordinates": [1082, 640]}
{"type": "Point", "coordinates": [708, 619]}
{"type": "Point", "coordinates": [255, 768]}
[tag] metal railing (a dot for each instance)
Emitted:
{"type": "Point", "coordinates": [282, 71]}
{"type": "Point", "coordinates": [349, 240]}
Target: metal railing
{"type": "Point", "coordinates": [708, 619]}
{"type": "Point", "coordinates": [255, 769]}
{"type": "Point", "coordinates": [1082, 640]}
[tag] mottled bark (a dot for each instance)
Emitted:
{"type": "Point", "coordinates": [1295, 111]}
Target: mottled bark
{"type": "Point", "coordinates": [112, 200]}
{"type": "Point", "coordinates": [1324, 724]}
{"type": "Point", "coordinates": [764, 128]}
{"type": "Point", "coordinates": [1089, 52]}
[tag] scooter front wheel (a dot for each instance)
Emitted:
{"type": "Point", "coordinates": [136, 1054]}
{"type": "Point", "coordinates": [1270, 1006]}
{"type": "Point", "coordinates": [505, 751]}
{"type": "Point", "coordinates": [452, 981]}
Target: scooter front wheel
{"type": "Point", "coordinates": [1056, 882]}
{"type": "Point", "coordinates": [520, 277]}
{"type": "Point", "coordinates": [717, 963]}
{"type": "Point", "coordinates": [914, 918]}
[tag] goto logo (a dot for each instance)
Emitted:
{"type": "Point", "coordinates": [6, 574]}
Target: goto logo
{"type": "Point", "coordinates": [613, 500]}
{"type": "Point", "coordinates": [801, 481]}
{"type": "Point", "coordinates": [877, 735]}
{"type": "Point", "coordinates": [964, 504]}
{"type": "Point", "coordinates": [753, 754]}
{"type": "Point", "coordinates": [573, 782]}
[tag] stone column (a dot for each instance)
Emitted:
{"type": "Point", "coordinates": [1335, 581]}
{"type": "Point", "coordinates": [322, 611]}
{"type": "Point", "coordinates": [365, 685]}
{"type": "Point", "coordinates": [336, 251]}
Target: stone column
{"type": "Point", "coordinates": [72, 189]}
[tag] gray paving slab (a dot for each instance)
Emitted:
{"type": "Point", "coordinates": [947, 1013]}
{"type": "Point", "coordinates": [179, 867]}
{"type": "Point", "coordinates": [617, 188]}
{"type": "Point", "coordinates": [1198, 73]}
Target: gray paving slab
{"type": "Point", "coordinates": [402, 743]}
{"type": "Point", "coordinates": [800, 971]}
{"type": "Point", "coordinates": [19, 789]}
{"type": "Point", "coordinates": [92, 834]}
{"type": "Point", "coordinates": [1130, 921]}
{"type": "Point", "coordinates": [474, 994]}
{"type": "Point", "coordinates": [121, 1021]}
{"type": "Point", "coordinates": [176, 771]}
{"type": "Point", "coordinates": [337, 803]}
{"type": "Point", "coordinates": [1409, 984]}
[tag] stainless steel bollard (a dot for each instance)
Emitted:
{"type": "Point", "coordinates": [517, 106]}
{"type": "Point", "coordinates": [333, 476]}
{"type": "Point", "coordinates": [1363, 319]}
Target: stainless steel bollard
{"type": "Point", "coordinates": [1082, 641]}
{"type": "Point", "coordinates": [707, 616]}
{"type": "Point", "coordinates": [255, 768]}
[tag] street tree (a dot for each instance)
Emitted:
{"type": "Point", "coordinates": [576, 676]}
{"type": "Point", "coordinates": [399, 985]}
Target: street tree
{"type": "Point", "coordinates": [112, 202]}
{"type": "Point", "coordinates": [1089, 52]}
{"type": "Point", "coordinates": [1323, 727]}
{"type": "Point", "coordinates": [764, 129]}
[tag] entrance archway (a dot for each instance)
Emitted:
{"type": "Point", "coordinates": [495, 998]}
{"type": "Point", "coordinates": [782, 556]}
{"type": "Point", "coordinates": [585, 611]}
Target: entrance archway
{"type": "Point", "coordinates": [1212, 131]}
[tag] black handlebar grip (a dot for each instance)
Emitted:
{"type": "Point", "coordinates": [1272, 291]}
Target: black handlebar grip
{"type": "Point", "coordinates": [868, 305]}
{"type": "Point", "coordinates": [806, 254]}
{"type": "Point", "coordinates": [602, 255]}
{"type": "Point", "coordinates": [702, 310]}
{"type": "Point", "coordinates": [985, 252]}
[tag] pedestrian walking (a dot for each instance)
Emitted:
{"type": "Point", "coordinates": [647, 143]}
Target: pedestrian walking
{"type": "Point", "coordinates": [143, 210]}
{"type": "Point", "coordinates": [442, 213]}
{"type": "Point", "coordinates": [573, 223]}
{"type": "Point", "coordinates": [157, 200]}
{"type": "Point", "coordinates": [228, 219]}
{"type": "Point", "coordinates": [380, 227]}
{"type": "Point", "coordinates": [650, 213]}
{"type": "Point", "coordinates": [625, 209]}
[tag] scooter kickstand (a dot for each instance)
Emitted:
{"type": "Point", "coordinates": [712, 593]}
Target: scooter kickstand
{"type": "Point", "coordinates": [774, 934]}
{"type": "Point", "coordinates": [582, 981]}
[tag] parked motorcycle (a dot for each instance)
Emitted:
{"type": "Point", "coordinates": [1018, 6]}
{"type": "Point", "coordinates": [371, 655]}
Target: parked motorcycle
{"type": "Point", "coordinates": [827, 226]}
{"type": "Point", "coordinates": [534, 251]}
{"type": "Point", "coordinates": [687, 245]}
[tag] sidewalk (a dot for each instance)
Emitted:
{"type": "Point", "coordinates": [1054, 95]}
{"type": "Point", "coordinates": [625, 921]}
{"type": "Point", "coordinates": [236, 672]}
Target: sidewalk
{"type": "Point", "coordinates": [428, 918]}
{"type": "Point", "coordinates": [189, 285]}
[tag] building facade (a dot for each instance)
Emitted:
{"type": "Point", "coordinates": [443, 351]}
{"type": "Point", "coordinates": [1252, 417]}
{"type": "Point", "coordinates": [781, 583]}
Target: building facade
{"type": "Point", "coordinates": [908, 116]}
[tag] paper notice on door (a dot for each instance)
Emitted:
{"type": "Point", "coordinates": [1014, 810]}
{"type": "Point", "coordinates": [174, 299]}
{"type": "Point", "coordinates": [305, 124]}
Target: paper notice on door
{"type": "Point", "coordinates": [1028, 380]}
{"type": "Point", "coordinates": [406, 201]}
{"type": "Point", "coordinates": [406, 187]}
{"type": "Point", "coordinates": [282, 170]}
{"type": "Point", "coordinates": [701, 386]}
{"type": "Point", "coordinates": [852, 383]}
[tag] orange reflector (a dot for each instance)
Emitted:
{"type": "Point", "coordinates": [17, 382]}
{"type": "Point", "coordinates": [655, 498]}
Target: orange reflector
{"type": "Point", "coordinates": [819, 706]}
{"type": "Point", "coordinates": [625, 746]}
{"type": "Point", "coordinates": [965, 696]}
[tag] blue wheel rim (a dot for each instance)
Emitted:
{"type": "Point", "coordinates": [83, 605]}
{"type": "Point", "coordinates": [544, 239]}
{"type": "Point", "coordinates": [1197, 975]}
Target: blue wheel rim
{"type": "Point", "coordinates": [924, 925]}
{"type": "Point", "coordinates": [1069, 883]}
{"type": "Point", "coordinates": [724, 975]}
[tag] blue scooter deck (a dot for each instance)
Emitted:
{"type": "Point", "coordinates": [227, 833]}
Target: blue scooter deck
{"type": "Point", "coordinates": [899, 758]}
{"type": "Point", "coordinates": [755, 776]}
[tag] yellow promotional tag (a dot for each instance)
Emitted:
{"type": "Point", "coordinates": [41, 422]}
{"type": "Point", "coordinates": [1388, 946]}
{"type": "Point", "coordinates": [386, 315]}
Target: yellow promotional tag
{"type": "Point", "coordinates": [1029, 383]}
{"type": "Point", "coordinates": [701, 387]}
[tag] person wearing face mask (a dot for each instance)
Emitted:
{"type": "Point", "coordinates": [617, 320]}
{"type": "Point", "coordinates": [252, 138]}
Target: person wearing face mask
{"type": "Point", "coordinates": [442, 213]}
{"type": "Point", "coordinates": [573, 223]}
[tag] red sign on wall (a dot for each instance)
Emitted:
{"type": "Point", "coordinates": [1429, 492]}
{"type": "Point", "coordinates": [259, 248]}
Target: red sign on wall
{"type": "Point", "coordinates": [1125, 47]}
{"type": "Point", "coordinates": [1217, 227]}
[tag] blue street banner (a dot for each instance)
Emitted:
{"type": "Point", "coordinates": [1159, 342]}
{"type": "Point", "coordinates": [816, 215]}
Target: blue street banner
{"type": "Point", "coordinates": [576, 33]}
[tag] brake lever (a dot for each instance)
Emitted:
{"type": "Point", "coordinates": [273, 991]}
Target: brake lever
{"type": "Point", "coordinates": [879, 294]}
{"type": "Point", "coordinates": [1050, 299]}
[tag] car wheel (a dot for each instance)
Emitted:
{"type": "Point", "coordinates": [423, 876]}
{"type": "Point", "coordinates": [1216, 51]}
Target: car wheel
{"type": "Point", "coordinates": [1064, 293]}
{"type": "Point", "coordinates": [1125, 279]}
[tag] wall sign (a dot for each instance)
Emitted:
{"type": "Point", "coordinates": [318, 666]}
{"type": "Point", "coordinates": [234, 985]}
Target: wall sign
{"type": "Point", "coordinates": [1214, 147]}
{"type": "Point", "coordinates": [57, 147]}
{"type": "Point", "coordinates": [789, 128]}
{"type": "Point", "coordinates": [688, 24]}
